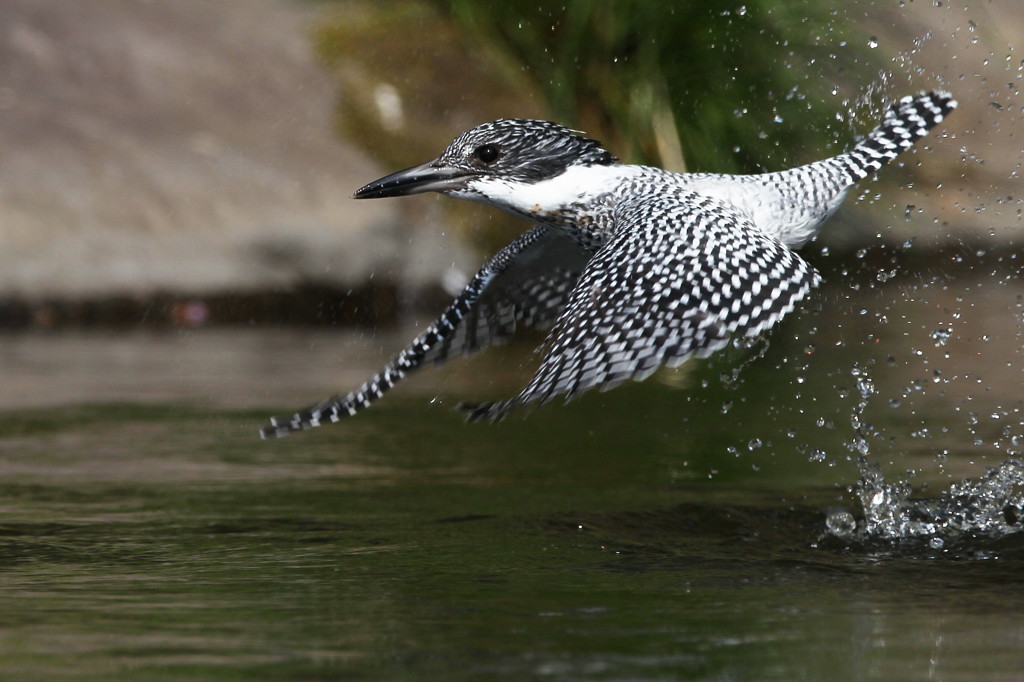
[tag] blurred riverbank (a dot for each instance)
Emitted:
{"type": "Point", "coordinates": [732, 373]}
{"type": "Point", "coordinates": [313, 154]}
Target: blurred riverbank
{"type": "Point", "coordinates": [180, 163]}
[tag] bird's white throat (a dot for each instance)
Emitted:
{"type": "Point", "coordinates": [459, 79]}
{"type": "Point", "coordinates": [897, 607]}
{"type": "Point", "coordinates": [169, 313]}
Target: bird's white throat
{"type": "Point", "coordinates": [577, 185]}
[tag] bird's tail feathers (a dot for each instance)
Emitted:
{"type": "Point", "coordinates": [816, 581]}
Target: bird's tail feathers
{"type": "Point", "coordinates": [907, 121]}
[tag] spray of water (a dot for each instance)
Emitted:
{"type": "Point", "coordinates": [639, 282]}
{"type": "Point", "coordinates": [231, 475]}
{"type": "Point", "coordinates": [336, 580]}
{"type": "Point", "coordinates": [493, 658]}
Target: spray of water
{"type": "Point", "coordinates": [991, 505]}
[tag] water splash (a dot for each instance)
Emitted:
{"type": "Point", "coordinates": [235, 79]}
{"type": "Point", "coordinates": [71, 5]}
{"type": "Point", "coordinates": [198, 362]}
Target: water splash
{"type": "Point", "coordinates": [991, 505]}
{"type": "Point", "coordinates": [861, 430]}
{"type": "Point", "coordinates": [759, 344]}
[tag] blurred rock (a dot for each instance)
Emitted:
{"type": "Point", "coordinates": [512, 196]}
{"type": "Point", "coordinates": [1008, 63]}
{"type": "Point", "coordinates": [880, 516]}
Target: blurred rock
{"type": "Point", "coordinates": [186, 147]}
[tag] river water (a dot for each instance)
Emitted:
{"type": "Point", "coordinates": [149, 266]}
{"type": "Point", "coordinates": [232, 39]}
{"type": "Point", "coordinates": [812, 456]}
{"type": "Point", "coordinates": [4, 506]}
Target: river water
{"type": "Point", "coordinates": [674, 529]}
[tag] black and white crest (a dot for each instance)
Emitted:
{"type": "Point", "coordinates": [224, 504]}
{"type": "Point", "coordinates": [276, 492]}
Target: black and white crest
{"type": "Point", "coordinates": [523, 149]}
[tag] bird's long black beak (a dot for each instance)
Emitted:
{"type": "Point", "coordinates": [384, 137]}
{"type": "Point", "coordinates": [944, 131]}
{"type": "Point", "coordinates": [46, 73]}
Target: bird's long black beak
{"type": "Point", "coordinates": [428, 177]}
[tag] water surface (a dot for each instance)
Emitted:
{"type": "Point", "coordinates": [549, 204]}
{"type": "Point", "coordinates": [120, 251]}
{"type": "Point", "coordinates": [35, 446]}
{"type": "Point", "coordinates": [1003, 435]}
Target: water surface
{"type": "Point", "coordinates": [667, 530]}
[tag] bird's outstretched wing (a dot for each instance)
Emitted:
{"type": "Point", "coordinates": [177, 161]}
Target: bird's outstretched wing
{"type": "Point", "coordinates": [681, 273]}
{"type": "Point", "coordinates": [527, 282]}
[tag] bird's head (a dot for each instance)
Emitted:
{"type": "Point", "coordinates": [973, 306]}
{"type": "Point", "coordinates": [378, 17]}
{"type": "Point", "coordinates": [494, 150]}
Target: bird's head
{"type": "Point", "coordinates": [496, 163]}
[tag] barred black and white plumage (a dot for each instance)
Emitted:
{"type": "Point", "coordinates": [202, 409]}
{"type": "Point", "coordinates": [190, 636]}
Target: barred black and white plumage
{"type": "Point", "coordinates": [631, 267]}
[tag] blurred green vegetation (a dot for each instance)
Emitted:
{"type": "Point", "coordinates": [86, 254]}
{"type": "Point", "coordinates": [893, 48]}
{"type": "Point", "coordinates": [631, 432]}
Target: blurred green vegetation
{"type": "Point", "coordinates": [716, 85]}
{"type": "Point", "coordinates": [710, 86]}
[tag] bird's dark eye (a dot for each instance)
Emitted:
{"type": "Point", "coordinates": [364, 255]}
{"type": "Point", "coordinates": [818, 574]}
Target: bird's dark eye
{"type": "Point", "coordinates": [486, 153]}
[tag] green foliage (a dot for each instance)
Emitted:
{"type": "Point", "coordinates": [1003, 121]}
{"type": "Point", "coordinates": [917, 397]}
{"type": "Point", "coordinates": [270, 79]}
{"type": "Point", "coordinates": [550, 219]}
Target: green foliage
{"type": "Point", "coordinates": [727, 86]}
{"type": "Point", "coordinates": [713, 85]}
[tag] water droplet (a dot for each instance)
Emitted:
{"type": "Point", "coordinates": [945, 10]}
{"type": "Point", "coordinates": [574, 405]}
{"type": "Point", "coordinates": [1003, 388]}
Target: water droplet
{"type": "Point", "coordinates": [754, 444]}
{"type": "Point", "coordinates": [872, 42]}
{"type": "Point", "coordinates": [841, 522]}
{"type": "Point", "coordinates": [941, 336]}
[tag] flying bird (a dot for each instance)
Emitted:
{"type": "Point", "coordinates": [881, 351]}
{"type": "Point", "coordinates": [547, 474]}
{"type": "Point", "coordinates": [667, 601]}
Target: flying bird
{"type": "Point", "coordinates": [629, 267]}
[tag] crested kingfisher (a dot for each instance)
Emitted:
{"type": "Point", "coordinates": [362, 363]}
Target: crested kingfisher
{"type": "Point", "coordinates": [628, 267]}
